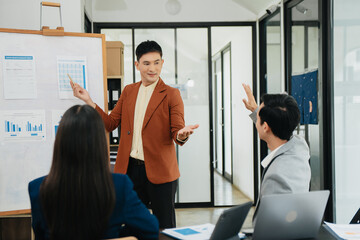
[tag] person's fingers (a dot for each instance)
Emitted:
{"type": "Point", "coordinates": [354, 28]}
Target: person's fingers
{"type": "Point", "coordinates": [194, 126]}
{"type": "Point", "coordinates": [247, 89]}
{"type": "Point", "coordinates": [249, 93]}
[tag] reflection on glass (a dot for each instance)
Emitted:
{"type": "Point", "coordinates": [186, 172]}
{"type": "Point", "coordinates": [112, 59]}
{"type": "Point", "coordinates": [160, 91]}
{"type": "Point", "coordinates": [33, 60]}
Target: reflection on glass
{"type": "Point", "coordinates": [298, 49]}
{"type": "Point", "coordinates": [346, 108]}
{"type": "Point", "coordinates": [125, 36]}
{"type": "Point", "coordinates": [273, 55]}
{"type": "Point", "coordinates": [192, 80]}
{"type": "Point", "coordinates": [305, 58]}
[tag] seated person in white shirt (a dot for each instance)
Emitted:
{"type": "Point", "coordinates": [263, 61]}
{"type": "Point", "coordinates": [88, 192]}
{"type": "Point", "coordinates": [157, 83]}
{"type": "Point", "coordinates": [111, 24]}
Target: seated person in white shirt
{"type": "Point", "coordinates": [286, 168]}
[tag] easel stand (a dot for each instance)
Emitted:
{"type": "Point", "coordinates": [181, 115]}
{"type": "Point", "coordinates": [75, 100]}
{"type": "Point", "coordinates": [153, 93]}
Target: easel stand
{"type": "Point", "coordinates": [59, 31]}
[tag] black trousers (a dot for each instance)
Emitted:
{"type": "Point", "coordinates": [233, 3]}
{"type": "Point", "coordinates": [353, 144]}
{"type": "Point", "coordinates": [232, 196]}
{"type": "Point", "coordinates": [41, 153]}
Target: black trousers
{"type": "Point", "coordinates": [159, 197]}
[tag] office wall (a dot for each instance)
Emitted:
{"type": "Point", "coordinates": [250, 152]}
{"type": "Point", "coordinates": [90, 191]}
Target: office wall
{"type": "Point", "coordinates": [154, 11]}
{"type": "Point", "coordinates": [25, 14]}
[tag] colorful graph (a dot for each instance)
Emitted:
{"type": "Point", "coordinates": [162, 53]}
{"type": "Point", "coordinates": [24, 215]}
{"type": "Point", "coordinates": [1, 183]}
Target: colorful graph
{"type": "Point", "coordinates": [14, 127]}
{"type": "Point", "coordinates": [24, 125]}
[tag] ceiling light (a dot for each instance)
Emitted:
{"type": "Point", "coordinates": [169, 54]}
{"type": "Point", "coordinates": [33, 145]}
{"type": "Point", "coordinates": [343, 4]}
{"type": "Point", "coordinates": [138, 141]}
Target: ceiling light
{"type": "Point", "coordinates": [173, 7]}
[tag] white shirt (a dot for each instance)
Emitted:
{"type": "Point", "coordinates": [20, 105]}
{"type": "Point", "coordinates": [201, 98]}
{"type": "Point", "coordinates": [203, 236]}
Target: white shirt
{"type": "Point", "coordinates": [142, 102]}
{"type": "Point", "coordinates": [267, 160]}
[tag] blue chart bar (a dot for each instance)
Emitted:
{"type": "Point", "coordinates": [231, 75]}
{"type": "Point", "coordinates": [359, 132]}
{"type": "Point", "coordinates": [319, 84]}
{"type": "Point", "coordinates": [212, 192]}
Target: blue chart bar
{"type": "Point", "coordinates": [12, 127]}
{"type": "Point", "coordinates": [84, 76]}
{"type": "Point", "coordinates": [7, 126]}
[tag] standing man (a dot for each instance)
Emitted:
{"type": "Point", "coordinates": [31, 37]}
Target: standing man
{"type": "Point", "coordinates": [286, 167]}
{"type": "Point", "coordinates": [151, 116]}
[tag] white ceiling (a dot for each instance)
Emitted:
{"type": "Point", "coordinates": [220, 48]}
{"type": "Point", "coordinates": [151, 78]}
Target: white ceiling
{"type": "Point", "coordinates": [193, 10]}
{"type": "Point", "coordinates": [256, 6]}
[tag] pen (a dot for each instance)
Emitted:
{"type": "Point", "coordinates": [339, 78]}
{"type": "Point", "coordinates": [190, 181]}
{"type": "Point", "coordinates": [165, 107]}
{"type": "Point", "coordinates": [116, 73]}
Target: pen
{"type": "Point", "coordinates": [70, 79]}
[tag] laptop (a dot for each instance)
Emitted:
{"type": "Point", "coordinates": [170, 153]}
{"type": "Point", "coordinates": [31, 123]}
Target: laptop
{"type": "Point", "coordinates": [230, 222]}
{"type": "Point", "coordinates": [227, 227]}
{"type": "Point", "coordinates": [356, 218]}
{"type": "Point", "coordinates": [290, 216]}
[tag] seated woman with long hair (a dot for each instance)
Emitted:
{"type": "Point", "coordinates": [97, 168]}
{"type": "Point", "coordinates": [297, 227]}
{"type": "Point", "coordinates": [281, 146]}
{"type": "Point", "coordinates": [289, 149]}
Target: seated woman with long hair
{"type": "Point", "coordinates": [80, 198]}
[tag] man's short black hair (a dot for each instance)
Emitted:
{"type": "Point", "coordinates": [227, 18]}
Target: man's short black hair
{"type": "Point", "coordinates": [146, 47]}
{"type": "Point", "coordinates": [281, 113]}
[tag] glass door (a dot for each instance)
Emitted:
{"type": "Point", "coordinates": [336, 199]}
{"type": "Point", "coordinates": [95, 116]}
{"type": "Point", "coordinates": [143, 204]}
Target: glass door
{"type": "Point", "coordinates": [219, 114]}
{"type": "Point", "coordinates": [223, 130]}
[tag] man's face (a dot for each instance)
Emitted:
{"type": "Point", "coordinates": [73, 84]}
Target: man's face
{"type": "Point", "coordinates": [260, 128]}
{"type": "Point", "coordinates": [149, 65]}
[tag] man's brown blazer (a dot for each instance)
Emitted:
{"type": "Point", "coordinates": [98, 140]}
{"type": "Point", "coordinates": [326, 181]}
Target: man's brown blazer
{"type": "Point", "coordinates": [163, 119]}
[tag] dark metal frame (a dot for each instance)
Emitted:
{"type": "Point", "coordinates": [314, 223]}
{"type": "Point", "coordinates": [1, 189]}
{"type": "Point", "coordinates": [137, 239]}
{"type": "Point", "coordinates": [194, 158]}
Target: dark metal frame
{"type": "Point", "coordinates": [263, 23]}
{"type": "Point", "coordinates": [326, 137]}
{"type": "Point", "coordinates": [327, 55]}
{"type": "Point", "coordinates": [87, 24]}
{"type": "Point", "coordinates": [133, 25]}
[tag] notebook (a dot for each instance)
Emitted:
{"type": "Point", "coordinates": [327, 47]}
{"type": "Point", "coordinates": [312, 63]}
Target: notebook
{"type": "Point", "coordinates": [227, 227]}
{"type": "Point", "coordinates": [290, 216]}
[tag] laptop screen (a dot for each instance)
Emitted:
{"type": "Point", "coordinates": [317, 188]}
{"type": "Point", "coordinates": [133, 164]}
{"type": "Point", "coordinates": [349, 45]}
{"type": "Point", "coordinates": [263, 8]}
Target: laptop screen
{"type": "Point", "coordinates": [290, 216]}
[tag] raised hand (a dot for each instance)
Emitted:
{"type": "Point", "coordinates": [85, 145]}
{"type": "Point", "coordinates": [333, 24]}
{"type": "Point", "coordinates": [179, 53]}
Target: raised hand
{"type": "Point", "coordinates": [250, 103]}
{"type": "Point", "coordinates": [185, 132]}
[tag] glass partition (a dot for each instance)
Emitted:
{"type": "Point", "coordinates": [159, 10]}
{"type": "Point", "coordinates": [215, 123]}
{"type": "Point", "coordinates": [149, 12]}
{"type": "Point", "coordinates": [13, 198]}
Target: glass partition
{"type": "Point", "coordinates": [232, 57]}
{"type": "Point", "coordinates": [273, 54]}
{"type": "Point", "coordinates": [192, 80]}
{"type": "Point", "coordinates": [270, 62]}
{"type": "Point", "coordinates": [185, 54]}
{"type": "Point", "coordinates": [304, 64]}
{"type": "Point", "coordinates": [186, 67]}
{"type": "Point", "coordinates": [346, 108]}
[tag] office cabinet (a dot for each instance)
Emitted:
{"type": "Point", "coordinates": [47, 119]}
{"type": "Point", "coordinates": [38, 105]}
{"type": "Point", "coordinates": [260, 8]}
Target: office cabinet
{"type": "Point", "coordinates": [115, 58]}
{"type": "Point", "coordinates": [115, 82]}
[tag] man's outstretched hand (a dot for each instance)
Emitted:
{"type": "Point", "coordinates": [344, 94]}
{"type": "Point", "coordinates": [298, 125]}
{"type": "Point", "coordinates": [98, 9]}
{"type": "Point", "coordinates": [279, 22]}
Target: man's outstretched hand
{"type": "Point", "coordinates": [184, 133]}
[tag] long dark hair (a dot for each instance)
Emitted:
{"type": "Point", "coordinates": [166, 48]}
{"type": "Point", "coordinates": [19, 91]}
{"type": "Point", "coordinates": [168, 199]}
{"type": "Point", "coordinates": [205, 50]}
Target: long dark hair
{"type": "Point", "coordinates": [78, 195]}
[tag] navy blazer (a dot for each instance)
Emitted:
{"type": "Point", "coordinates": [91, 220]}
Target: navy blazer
{"type": "Point", "coordinates": [129, 217]}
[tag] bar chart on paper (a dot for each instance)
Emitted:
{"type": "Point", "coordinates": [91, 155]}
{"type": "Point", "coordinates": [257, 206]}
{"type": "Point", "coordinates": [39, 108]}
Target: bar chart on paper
{"type": "Point", "coordinates": [23, 125]}
{"type": "Point", "coordinates": [76, 69]}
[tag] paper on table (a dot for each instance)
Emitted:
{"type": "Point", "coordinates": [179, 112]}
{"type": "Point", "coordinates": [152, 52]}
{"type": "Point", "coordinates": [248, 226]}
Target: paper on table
{"type": "Point", "coordinates": [345, 231]}
{"type": "Point", "coordinates": [198, 232]}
